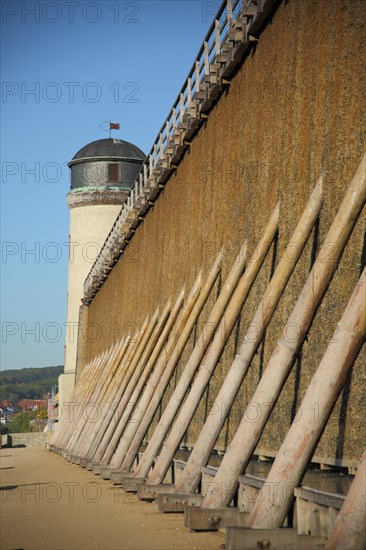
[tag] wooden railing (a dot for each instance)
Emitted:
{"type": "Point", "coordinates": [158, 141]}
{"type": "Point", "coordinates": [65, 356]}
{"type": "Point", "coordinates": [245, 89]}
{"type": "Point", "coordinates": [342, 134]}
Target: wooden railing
{"type": "Point", "coordinates": [226, 41]}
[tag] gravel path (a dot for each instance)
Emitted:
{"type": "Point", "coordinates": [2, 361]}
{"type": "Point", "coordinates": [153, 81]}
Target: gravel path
{"type": "Point", "coordinates": [48, 503]}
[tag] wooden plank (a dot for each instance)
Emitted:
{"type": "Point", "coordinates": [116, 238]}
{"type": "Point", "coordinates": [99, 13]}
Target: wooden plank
{"type": "Point", "coordinates": [105, 472]}
{"type": "Point", "coordinates": [323, 498]}
{"type": "Point", "coordinates": [250, 11]}
{"type": "Point", "coordinates": [265, 8]}
{"type": "Point", "coordinates": [270, 539]}
{"type": "Point", "coordinates": [251, 481]}
{"type": "Point", "coordinates": [209, 470]}
{"type": "Point", "coordinates": [205, 519]}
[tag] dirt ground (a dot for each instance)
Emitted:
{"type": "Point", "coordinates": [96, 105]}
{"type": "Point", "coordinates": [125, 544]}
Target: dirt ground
{"type": "Point", "coordinates": [48, 503]}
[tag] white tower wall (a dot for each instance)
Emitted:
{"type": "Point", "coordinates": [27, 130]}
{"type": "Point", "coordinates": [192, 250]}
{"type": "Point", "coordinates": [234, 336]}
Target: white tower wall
{"type": "Point", "coordinates": [102, 175]}
{"type": "Point", "coordinates": [89, 227]}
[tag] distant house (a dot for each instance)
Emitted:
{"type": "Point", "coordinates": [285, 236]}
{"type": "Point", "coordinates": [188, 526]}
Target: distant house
{"type": "Point", "coordinates": [7, 409]}
{"type": "Point", "coordinates": [31, 404]}
{"type": "Point", "coordinates": [8, 406]}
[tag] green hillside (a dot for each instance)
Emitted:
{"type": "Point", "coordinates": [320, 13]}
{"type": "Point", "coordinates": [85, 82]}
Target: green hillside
{"type": "Point", "coordinates": [28, 383]}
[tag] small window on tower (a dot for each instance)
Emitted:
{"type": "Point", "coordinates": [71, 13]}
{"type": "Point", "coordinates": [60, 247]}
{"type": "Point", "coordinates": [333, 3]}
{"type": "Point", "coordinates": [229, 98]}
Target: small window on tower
{"type": "Point", "coordinates": [113, 173]}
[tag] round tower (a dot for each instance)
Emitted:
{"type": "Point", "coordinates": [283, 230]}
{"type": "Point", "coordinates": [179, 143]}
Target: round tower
{"type": "Point", "coordinates": [102, 174]}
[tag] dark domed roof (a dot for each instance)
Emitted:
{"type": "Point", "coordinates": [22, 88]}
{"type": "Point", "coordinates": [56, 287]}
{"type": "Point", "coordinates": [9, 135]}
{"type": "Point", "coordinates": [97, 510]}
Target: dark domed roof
{"type": "Point", "coordinates": [108, 148]}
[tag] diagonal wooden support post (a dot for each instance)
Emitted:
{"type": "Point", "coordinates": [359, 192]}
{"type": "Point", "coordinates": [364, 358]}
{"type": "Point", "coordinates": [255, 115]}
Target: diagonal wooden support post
{"type": "Point", "coordinates": [192, 365]}
{"type": "Point", "coordinates": [124, 375]}
{"type": "Point", "coordinates": [68, 424]}
{"type": "Point", "coordinates": [133, 348]}
{"type": "Point", "coordinates": [94, 381]}
{"type": "Point", "coordinates": [62, 427]}
{"type": "Point", "coordinates": [59, 436]}
{"type": "Point", "coordinates": [77, 416]}
{"type": "Point", "coordinates": [213, 355]}
{"type": "Point", "coordinates": [349, 531]}
{"type": "Point", "coordinates": [207, 438]}
{"type": "Point", "coordinates": [269, 388]}
{"type": "Point", "coordinates": [135, 433]}
{"type": "Point", "coordinates": [133, 365]}
{"type": "Point", "coordinates": [98, 399]}
{"type": "Point", "coordinates": [115, 383]}
{"type": "Point", "coordinates": [168, 359]}
{"type": "Point", "coordinates": [303, 436]}
{"type": "Point", "coordinates": [114, 369]}
{"type": "Point", "coordinates": [87, 409]}
{"type": "Point", "coordinates": [137, 350]}
{"type": "Point", "coordinates": [98, 429]}
{"type": "Point", "coordinates": [134, 390]}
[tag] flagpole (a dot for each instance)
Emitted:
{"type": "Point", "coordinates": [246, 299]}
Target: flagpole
{"type": "Point", "coordinates": [110, 129]}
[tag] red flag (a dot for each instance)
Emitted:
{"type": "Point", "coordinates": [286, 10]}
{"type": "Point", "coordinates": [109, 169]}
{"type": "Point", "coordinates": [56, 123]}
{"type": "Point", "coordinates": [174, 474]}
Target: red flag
{"type": "Point", "coordinates": [114, 126]}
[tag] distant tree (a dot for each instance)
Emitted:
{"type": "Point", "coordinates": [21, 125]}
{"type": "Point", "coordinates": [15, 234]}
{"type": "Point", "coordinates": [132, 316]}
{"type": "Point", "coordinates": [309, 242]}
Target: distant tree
{"type": "Point", "coordinates": [16, 385]}
{"type": "Point", "coordinates": [20, 423]}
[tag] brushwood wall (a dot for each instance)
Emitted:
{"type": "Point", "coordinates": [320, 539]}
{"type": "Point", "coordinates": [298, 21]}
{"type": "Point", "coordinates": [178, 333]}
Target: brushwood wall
{"type": "Point", "coordinates": [295, 109]}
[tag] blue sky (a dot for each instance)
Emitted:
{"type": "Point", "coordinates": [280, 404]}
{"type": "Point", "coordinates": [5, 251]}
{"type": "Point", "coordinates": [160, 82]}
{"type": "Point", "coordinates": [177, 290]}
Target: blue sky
{"type": "Point", "coordinates": [67, 67]}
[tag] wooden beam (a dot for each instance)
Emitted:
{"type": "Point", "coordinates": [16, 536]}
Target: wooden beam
{"type": "Point", "coordinates": [212, 357]}
{"type": "Point", "coordinates": [279, 367]}
{"type": "Point", "coordinates": [238, 538]}
{"type": "Point", "coordinates": [192, 365]}
{"type": "Point", "coordinates": [304, 434]}
{"type": "Point", "coordinates": [251, 341]}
